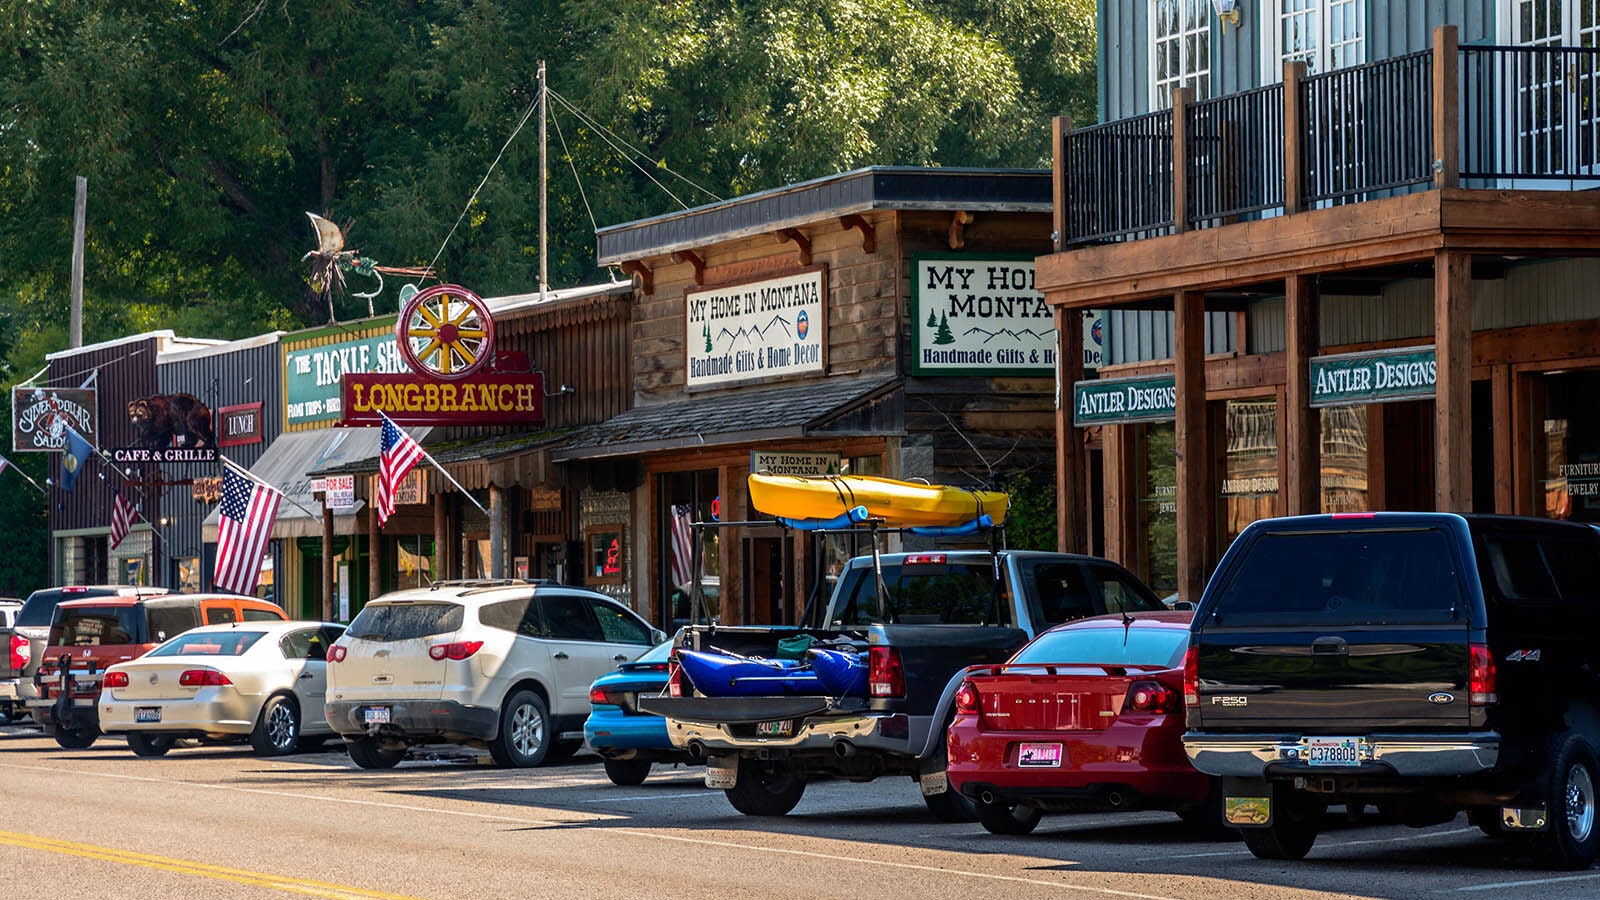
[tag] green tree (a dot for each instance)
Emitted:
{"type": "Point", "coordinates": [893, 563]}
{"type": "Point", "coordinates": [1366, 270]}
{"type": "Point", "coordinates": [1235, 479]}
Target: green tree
{"type": "Point", "coordinates": [943, 335]}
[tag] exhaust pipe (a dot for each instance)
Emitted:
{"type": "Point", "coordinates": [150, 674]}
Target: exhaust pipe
{"type": "Point", "coordinates": [843, 749]}
{"type": "Point", "coordinates": [1116, 800]}
{"type": "Point", "coordinates": [697, 749]}
{"type": "Point", "coordinates": [986, 798]}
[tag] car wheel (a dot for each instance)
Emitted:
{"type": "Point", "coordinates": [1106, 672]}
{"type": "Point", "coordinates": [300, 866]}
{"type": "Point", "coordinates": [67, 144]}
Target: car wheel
{"type": "Point", "coordinates": [150, 744]}
{"type": "Point", "coordinates": [525, 736]}
{"type": "Point", "coordinates": [1295, 822]}
{"type": "Point", "coordinates": [627, 772]}
{"type": "Point", "coordinates": [277, 728]}
{"type": "Point", "coordinates": [1006, 817]}
{"type": "Point", "coordinates": [369, 754]}
{"type": "Point", "coordinates": [76, 738]}
{"type": "Point", "coordinates": [765, 790]}
{"type": "Point", "coordinates": [950, 806]}
{"type": "Point", "coordinates": [1569, 788]}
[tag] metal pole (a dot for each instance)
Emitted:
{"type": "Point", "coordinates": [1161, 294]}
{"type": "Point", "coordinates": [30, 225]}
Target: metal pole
{"type": "Point", "coordinates": [80, 212]}
{"type": "Point", "coordinates": [544, 242]}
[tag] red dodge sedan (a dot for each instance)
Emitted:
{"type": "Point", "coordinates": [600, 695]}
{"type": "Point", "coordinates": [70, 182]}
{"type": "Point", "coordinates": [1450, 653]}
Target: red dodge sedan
{"type": "Point", "coordinates": [1087, 716]}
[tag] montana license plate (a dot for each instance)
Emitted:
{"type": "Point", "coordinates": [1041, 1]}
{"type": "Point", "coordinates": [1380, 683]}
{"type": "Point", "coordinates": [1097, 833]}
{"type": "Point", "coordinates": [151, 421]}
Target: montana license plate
{"type": "Point", "coordinates": [780, 728]}
{"type": "Point", "coordinates": [1331, 751]}
{"type": "Point", "coordinates": [1039, 756]}
{"type": "Point", "coordinates": [147, 713]}
{"type": "Point", "coordinates": [375, 715]}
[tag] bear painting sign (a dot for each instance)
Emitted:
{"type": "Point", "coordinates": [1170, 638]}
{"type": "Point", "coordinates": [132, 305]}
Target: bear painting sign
{"type": "Point", "coordinates": [169, 428]}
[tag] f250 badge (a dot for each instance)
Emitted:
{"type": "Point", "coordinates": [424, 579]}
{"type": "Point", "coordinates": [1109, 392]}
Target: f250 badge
{"type": "Point", "coordinates": [1523, 656]}
{"type": "Point", "coordinates": [1230, 701]}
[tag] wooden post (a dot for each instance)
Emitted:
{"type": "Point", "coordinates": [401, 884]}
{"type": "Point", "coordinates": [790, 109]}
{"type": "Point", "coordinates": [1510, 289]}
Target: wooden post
{"type": "Point", "coordinates": [1301, 459]}
{"type": "Point", "coordinates": [1060, 128]}
{"type": "Point", "coordinates": [1446, 107]}
{"type": "Point", "coordinates": [1294, 199]}
{"type": "Point", "coordinates": [1121, 495]}
{"type": "Point", "coordinates": [1191, 444]}
{"type": "Point", "coordinates": [497, 531]}
{"type": "Point", "coordinates": [1181, 98]}
{"type": "Point", "coordinates": [1505, 470]}
{"type": "Point", "coordinates": [1452, 326]}
{"type": "Point", "coordinates": [374, 555]}
{"type": "Point", "coordinates": [441, 538]}
{"type": "Point", "coordinates": [1072, 516]}
{"type": "Point", "coordinates": [327, 564]}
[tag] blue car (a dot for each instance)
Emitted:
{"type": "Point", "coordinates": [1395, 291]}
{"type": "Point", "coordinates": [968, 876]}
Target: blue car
{"type": "Point", "coordinates": [631, 741]}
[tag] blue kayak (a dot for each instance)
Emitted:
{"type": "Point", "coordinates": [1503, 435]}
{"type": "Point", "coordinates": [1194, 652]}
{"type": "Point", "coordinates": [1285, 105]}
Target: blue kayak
{"type": "Point", "coordinates": [717, 675]}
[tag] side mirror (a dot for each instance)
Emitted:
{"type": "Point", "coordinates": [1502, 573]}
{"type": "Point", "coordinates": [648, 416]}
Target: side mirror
{"type": "Point", "coordinates": [657, 636]}
{"type": "Point", "coordinates": [1183, 604]}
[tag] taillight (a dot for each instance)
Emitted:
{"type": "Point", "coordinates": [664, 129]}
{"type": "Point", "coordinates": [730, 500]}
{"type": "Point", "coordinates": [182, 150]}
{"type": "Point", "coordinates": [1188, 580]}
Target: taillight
{"type": "Point", "coordinates": [886, 677]}
{"type": "Point", "coordinates": [19, 652]}
{"type": "Point", "coordinates": [1191, 676]}
{"type": "Point", "coordinates": [454, 649]}
{"type": "Point", "coordinates": [115, 679]}
{"type": "Point", "coordinates": [677, 682]}
{"type": "Point", "coordinates": [336, 653]}
{"type": "Point", "coordinates": [203, 678]}
{"type": "Point", "coordinates": [967, 699]}
{"type": "Point", "coordinates": [1480, 678]}
{"type": "Point", "coordinates": [925, 559]}
{"type": "Point", "coordinates": [1152, 697]}
{"type": "Point", "coordinates": [596, 695]}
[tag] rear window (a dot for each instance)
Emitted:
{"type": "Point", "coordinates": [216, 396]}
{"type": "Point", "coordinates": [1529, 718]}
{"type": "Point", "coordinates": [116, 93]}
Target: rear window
{"type": "Point", "coordinates": [405, 621]}
{"type": "Point", "coordinates": [1343, 578]}
{"type": "Point", "coordinates": [171, 621]}
{"type": "Point", "coordinates": [92, 626]}
{"type": "Point", "coordinates": [208, 643]}
{"type": "Point", "coordinates": [953, 593]}
{"type": "Point", "coordinates": [38, 609]}
{"type": "Point", "coordinates": [1128, 646]}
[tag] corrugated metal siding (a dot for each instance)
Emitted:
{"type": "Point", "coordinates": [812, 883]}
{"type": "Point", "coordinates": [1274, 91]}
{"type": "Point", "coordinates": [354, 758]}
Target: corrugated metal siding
{"type": "Point", "coordinates": [127, 371]}
{"type": "Point", "coordinates": [1394, 29]}
{"type": "Point", "coordinates": [1142, 335]}
{"type": "Point", "coordinates": [1125, 75]}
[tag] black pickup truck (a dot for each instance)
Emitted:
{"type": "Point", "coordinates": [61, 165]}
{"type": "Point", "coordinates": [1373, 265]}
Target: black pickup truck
{"type": "Point", "coordinates": [938, 613]}
{"type": "Point", "coordinates": [1424, 663]}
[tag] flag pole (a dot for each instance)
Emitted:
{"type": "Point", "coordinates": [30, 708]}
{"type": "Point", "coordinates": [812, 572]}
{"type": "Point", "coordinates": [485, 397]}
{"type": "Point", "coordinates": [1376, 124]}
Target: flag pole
{"type": "Point", "coordinates": [429, 457]}
{"type": "Point", "coordinates": [246, 473]}
{"type": "Point", "coordinates": [8, 464]}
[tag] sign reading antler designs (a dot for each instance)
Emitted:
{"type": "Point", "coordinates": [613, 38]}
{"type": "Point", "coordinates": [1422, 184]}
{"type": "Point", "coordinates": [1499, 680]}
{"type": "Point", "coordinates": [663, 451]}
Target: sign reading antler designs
{"type": "Point", "coordinates": [39, 414]}
{"type": "Point", "coordinates": [760, 331]}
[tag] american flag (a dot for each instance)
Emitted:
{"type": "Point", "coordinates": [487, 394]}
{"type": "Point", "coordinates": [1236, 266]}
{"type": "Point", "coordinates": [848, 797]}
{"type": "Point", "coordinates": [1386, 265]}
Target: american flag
{"type": "Point", "coordinates": [397, 454]}
{"type": "Point", "coordinates": [121, 519]}
{"type": "Point", "coordinates": [682, 540]}
{"type": "Point", "coordinates": [245, 525]}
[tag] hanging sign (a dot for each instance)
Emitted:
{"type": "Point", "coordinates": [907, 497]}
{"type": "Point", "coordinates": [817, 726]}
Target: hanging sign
{"type": "Point", "coordinates": [756, 332]}
{"type": "Point", "coordinates": [1120, 401]}
{"type": "Point", "coordinates": [773, 462]}
{"type": "Point", "coordinates": [983, 316]}
{"type": "Point", "coordinates": [169, 428]}
{"type": "Point", "coordinates": [493, 398]}
{"type": "Point", "coordinates": [239, 425]}
{"type": "Point", "coordinates": [1378, 376]}
{"type": "Point", "coordinates": [313, 365]}
{"type": "Point", "coordinates": [339, 491]}
{"type": "Point", "coordinates": [39, 414]}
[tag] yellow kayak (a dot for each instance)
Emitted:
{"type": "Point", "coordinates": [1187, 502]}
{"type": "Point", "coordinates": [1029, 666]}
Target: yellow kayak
{"type": "Point", "coordinates": [899, 503]}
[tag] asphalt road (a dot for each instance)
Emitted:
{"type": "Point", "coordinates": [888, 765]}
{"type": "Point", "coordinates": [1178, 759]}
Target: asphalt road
{"type": "Point", "coordinates": [218, 822]}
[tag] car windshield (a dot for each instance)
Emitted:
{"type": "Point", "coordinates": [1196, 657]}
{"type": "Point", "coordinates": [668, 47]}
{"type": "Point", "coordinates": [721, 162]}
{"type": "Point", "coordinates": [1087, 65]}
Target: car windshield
{"type": "Point", "coordinates": [405, 621]}
{"type": "Point", "coordinates": [90, 626]}
{"type": "Point", "coordinates": [1132, 646]}
{"type": "Point", "coordinates": [208, 643]}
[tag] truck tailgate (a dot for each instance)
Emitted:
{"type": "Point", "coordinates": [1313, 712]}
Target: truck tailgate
{"type": "Point", "coordinates": [932, 654]}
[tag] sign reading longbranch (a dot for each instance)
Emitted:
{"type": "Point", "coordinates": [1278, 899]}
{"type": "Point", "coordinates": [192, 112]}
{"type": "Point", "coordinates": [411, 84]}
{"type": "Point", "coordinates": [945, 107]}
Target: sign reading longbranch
{"type": "Point", "coordinates": [1378, 376]}
{"type": "Point", "coordinates": [760, 331]}
{"type": "Point", "coordinates": [1119, 401]}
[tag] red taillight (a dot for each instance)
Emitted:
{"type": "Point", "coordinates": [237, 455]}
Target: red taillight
{"type": "Point", "coordinates": [925, 559]}
{"type": "Point", "coordinates": [1191, 676]}
{"type": "Point", "coordinates": [677, 682]}
{"type": "Point", "coordinates": [967, 699]}
{"type": "Point", "coordinates": [1353, 515]}
{"type": "Point", "coordinates": [19, 652]}
{"type": "Point", "coordinates": [886, 677]}
{"type": "Point", "coordinates": [115, 679]}
{"type": "Point", "coordinates": [336, 653]}
{"type": "Point", "coordinates": [1480, 680]}
{"type": "Point", "coordinates": [1151, 697]}
{"type": "Point", "coordinates": [454, 649]}
{"type": "Point", "coordinates": [203, 678]}
{"type": "Point", "coordinates": [596, 695]}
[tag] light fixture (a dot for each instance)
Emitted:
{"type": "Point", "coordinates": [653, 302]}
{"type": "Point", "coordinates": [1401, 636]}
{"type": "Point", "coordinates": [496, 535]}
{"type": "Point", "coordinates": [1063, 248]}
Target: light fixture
{"type": "Point", "coordinates": [1227, 11]}
{"type": "Point", "coordinates": [560, 391]}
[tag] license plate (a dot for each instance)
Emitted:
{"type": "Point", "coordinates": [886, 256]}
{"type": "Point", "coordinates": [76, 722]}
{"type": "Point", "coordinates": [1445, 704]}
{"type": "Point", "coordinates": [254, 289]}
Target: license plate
{"type": "Point", "coordinates": [780, 728]}
{"type": "Point", "coordinates": [1333, 751]}
{"type": "Point", "coordinates": [375, 715]}
{"type": "Point", "coordinates": [147, 714]}
{"type": "Point", "coordinates": [1039, 756]}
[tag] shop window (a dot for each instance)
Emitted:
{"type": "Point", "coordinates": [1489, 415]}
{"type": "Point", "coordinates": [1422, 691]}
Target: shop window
{"type": "Point", "coordinates": [413, 562]}
{"type": "Point", "coordinates": [188, 569]}
{"type": "Point", "coordinates": [1568, 471]}
{"type": "Point", "coordinates": [604, 554]}
{"type": "Point", "coordinates": [1344, 459]}
{"type": "Point", "coordinates": [1158, 506]}
{"type": "Point", "coordinates": [1248, 488]}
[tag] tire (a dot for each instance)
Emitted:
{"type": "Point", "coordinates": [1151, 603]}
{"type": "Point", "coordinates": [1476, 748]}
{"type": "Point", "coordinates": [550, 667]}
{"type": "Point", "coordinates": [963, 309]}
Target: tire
{"type": "Point", "coordinates": [764, 791]}
{"type": "Point", "coordinates": [627, 772]}
{"type": "Point", "coordinates": [564, 749]}
{"type": "Point", "coordinates": [950, 806]}
{"type": "Point", "coordinates": [1007, 817]}
{"type": "Point", "coordinates": [76, 738]}
{"type": "Point", "coordinates": [1295, 822]}
{"type": "Point", "coordinates": [369, 754]}
{"type": "Point", "coordinates": [149, 744]}
{"type": "Point", "coordinates": [1570, 787]}
{"type": "Point", "coordinates": [525, 735]}
{"type": "Point", "coordinates": [277, 728]}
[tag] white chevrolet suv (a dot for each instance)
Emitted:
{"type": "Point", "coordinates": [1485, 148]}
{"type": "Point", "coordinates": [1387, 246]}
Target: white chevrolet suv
{"type": "Point", "coordinates": [504, 665]}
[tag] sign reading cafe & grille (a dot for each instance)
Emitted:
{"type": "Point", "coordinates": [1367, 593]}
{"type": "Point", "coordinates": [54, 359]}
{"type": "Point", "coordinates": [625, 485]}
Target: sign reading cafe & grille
{"type": "Point", "coordinates": [1378, 376]}
{"type": "Point", "coordinates": [756, 332]}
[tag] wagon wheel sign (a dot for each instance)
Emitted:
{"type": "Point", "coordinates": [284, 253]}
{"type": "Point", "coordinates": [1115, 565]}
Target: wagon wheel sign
{"type": "Point", "coordinates": [446, 331]}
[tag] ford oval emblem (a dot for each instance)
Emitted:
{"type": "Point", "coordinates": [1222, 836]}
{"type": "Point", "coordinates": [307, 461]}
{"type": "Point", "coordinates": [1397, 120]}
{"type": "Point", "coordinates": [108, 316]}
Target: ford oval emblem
{"type": "Point", "coordinates": [1441, 697]}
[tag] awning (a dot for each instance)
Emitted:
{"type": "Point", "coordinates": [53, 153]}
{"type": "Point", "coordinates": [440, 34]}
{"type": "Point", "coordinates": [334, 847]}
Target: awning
{"type": "Point", "coordinates": [287, 465]}
{"type": "Point", "coordinates": [477, 462]}
{"type": "Point", "coordinates": [835, 408]}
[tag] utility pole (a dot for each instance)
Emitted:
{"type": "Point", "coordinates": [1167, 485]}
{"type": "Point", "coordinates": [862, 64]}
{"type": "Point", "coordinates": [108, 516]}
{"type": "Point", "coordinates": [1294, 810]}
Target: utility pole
{"type": "Point", "coordinates": [544, 241]}
{"type": "Point", "coordinates": [80, 212]}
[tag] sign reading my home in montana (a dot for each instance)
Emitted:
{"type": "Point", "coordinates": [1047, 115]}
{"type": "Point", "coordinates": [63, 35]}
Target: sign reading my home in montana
{"type": "Point", "coordinates": [760, 331]}
{"type": "Point", "coordinates": [1378, 376]}
{"type": "Point", "coordinates": [1119, 401]}
{"type": "Point", "coordinates": [39, 414]}
{"type": "Point", "coordinates": [314, 363]}
{"type": "Point", "coordinates": [782, 462]}
{"type": "Point", "coordinates": [982, 316]}
{"type": "Point", "coordinates": [494, 398]}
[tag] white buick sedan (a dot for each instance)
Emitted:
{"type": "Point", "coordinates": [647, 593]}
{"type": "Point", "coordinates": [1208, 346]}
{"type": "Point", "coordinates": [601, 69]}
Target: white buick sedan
{"type": "Point", "coordinates": [258, 681]}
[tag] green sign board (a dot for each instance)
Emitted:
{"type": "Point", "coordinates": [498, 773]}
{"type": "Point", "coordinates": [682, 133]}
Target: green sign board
{"type": "Point", "coordinates": [312, 373]}
{"type": "Point", "coordinates": [1119, 401]}
{"type": "Point", "coordinates": [1378, 376]}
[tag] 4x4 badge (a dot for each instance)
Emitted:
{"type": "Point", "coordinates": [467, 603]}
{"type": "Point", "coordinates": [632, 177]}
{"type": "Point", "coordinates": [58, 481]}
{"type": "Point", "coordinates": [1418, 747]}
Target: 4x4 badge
{"type": "Point", "coordinates": [1523, 656]}
{"type": "Point", "coordinates": [1441, 697]}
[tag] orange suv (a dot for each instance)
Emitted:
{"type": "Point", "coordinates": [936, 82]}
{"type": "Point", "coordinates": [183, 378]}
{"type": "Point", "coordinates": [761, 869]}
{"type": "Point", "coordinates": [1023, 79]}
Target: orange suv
{"type": "Point", "coordinates": [88, 635]}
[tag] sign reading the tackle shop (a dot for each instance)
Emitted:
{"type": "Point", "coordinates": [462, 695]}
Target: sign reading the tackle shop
{"type": "Point", "coordinates": [983, 316]}
{"type": "Point", "coordinates": [314, 363]}
{"type": "Point", "coordinates": [1378, 376]}
{"type": "Point", "coordinates": [756, 332]}
{"type": "Point", "coordinates": [1121, 401]}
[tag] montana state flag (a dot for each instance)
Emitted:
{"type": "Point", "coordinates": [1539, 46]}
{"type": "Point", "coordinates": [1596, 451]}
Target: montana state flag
{"type": "Point", "coordinates": [73, 460]}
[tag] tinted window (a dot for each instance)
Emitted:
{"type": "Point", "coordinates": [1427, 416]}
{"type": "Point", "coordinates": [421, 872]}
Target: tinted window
{"type": "Point", "coordinates": [209, 643]}
{"type": "Point", "coordinates": [263, 615]}
{"type": "Point", "coordinates": [620, 626]}
{"type": "Point", "coordinates": [308, 643]}
{"type": "Point", "coordinates": [568, 618]}
{"type": "Point", "coordinates": [960, 593]}
{"type": "Point", "coordinates": [1349, 578]}
{"type": "Point", "coordinates": [405, 621]}
{"type": "Point", "coordinates": [1063, 591]}
{"type": "Point", "coordinates": [91, 626]}
{"type": "Point", "coordinates": [519, 616]}
{"type": "Point", "coordinates": [1519, 569]}
{"type": "Point", "coordinates": [1132, 646]}
{"type": "Point", "coordinates": [220, 615]}
{"type": "Point", "coordinates": [170, 621]}
{"type": "Point", "coordinates": [40, 606]}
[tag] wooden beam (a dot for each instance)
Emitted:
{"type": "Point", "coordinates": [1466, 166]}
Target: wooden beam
{"type": "Point", "coordinates": [1060, 128]}
{"type": "Point", "coordinates": [1452, 327]}
{"type": "Point", "coordinates": [1301, 458]}
{"type": "Point", "coordinates": [1072, 518]}
{"type": "Point", "coordinates": [959, 220]}
{"type": "Point", "coordinates": [1505, 501]}
{"type": "Point", "coordinates": [1446, 107]}
{"type": "Point", "coordinates": [1293, 139]}
{"type": "Point", "coordinates": [1181, 98]}
{"type": "Point", "coordinates": [801, 242]}
{"type": "Point", "coordinates": [869, 238]}
{"type": "Point", "coordinates": [1193, 452]}
{"type": "Point", "coordinates": [1121, 493]}
{"type": "Point", "coordinates": [695, 261]}
{"type": "Point", "coordinates": [647, 282]}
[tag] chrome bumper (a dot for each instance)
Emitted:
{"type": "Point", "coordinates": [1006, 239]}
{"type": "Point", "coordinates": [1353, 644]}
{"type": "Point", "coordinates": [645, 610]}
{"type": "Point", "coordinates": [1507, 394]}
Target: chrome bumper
{"type": "Point", "coordinates": [1405, 755]}
{"type": "Point", "coordinates": [891, 733]}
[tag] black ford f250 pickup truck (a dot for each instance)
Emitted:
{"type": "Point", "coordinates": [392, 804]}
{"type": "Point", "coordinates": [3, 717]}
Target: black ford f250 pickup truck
{"type": "Point", "coordinates": [1425, 663]}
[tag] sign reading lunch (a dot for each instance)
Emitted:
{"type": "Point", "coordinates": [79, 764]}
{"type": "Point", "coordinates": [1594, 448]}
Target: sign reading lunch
{"type": "Point", "coordinates": [982, 316]}
{"type": "Point", "coordinates": [756, 332]}
{"type": "Point", "coordinates": [1378, 376]}
{"type": "Point", "coordinates": [1120, 401]}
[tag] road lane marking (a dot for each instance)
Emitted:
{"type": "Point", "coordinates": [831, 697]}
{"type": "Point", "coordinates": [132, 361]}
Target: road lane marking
{"type": "Point", "coordinates": [1532, 882]}
{"type": "Point", "coordinates": [196, 869]}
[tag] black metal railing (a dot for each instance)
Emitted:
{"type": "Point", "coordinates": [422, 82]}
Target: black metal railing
{"type": "Point", "coordinates": [1235, 155]}
{"type": "Point", "coordinates": [1118, 179]}
{"type": "Point", "coordinates": [1530, 113]}
{"type": "Point", "coordinates": [1368, 128]}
